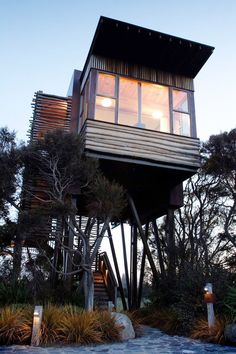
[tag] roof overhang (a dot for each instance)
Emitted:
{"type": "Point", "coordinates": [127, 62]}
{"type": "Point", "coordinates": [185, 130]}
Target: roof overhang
{"type": "Point", "coordinates": [134, 44]}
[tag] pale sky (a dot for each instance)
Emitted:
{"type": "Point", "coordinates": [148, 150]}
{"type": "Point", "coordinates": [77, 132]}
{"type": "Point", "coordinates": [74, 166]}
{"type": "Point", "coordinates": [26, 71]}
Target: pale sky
{"type": "Point", "coordinates": [42, 42]}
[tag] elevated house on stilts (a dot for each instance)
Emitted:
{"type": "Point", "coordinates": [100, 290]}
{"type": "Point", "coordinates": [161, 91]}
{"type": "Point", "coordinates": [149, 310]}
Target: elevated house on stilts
{"type": "Point", "coordinates": [133, 104]}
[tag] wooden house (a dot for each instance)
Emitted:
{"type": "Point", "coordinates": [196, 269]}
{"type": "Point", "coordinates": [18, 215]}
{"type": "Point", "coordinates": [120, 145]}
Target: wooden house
{"type": "Point", "coordinates": [133, 104]}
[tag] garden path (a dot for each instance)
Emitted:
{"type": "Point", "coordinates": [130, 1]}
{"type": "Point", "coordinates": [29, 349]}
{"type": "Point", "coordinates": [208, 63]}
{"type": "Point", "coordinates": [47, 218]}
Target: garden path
{"type": "Point", "coordinates": [152, 341]}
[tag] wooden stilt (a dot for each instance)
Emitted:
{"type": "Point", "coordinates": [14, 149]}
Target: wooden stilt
{"type": "Point", "coordinates": [134, 267]}
{"type": "Point", "coordinates": [142, 235]}
{"type": "Point", "coordinates": [140, 289]}
{"type": "Point", "coordinates": [158, 244]}
{"type": "Point", "coordinates": [125, 264]}
{"type": "Point", "coordinates": [122, 294]}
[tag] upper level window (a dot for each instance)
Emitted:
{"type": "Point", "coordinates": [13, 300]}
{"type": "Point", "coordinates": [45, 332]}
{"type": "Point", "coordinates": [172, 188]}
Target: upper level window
{"type": "Point", "coordinates": [155, 107]}
{"type": "Point", "coordinates": [142, 104]}
{"type": "Point", "coordinates": [105, 98]}
{"type": "Point", "coordinates": [128, 102]}
{"type": "Point", "coordinates": [181, 116]}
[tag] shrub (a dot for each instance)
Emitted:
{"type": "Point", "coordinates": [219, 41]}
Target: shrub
{"type": "Point", "coordinates": [14, 293]}
{"type": "Point", "coordinates": [15, 324]}
{"type": "Point", "coordinates": [165, 319]}
{"type": "Point", "coordinates": [230, 302]}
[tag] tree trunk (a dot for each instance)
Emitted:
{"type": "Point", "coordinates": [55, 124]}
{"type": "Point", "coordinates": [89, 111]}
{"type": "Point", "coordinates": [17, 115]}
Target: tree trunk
{"type": "Point", "coordinates": [88, 290]}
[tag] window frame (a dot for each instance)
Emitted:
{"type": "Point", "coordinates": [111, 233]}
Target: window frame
{"type": "Point", "coordinates": [190, 103]}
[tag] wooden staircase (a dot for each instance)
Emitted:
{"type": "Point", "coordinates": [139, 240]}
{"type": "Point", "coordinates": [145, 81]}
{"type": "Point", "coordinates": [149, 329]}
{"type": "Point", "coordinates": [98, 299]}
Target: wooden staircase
{"type": "Point", "coordinates": [105, 285]}
{"type": "Point", "coordinates": [101, 296]}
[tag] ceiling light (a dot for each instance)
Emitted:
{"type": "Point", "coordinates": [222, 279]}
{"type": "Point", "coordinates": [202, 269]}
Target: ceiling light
{"type": "Point", "coordinates": [157, 114]}
{"type": "Point", "coordinates": [106, 102]}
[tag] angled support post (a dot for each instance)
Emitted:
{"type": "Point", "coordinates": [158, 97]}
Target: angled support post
{"type": "Point", "coordinates": [158, 244]}
{"type": "Point", "coordinates": [125, 263]}
{"type": "Point", "coordinates": [133, 267]}
{"type": "Point", "coordinates": [142, 235]}
{"type": "Point", "coordinates": [140, 289]}
{"type": "Point", "coordinates": [122, 294]}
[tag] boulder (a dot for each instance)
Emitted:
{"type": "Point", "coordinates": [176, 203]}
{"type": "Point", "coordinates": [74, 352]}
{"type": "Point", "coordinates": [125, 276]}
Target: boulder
{"type": "Point", "coordinates": [127, 330]}
{"type": "Point", "coordinates": [230, 332]}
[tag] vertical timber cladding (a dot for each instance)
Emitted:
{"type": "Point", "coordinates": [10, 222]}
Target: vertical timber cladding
{"type": "Point", "coordinates": [138, 72]}
{"type": "Point", "coordinates": [50, 112]}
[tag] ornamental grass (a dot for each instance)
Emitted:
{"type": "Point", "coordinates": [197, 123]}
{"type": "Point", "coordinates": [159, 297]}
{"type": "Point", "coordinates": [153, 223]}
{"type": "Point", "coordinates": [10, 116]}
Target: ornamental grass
{"type": "Point", "coordinates": [215, 334]}
{"type": "Point", "coordinates": [51, 322]}
{"type": "Point", "coordinates": [60, 325]}
{"type": "Point", "coordinates": [15, 324]}
{"type": "Point", "coordinates": [106, 324]}
{"type": "Point", "coordinates": [79, 327]}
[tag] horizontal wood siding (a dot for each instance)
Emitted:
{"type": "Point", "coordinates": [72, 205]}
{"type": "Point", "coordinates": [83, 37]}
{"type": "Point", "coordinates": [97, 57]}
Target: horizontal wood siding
{"type": "Point", "coordinates": [141, 144]}
{"type": "Point", "coordinates": [50, 112]}
{"type": "Point", "coordinates": [138, 72]}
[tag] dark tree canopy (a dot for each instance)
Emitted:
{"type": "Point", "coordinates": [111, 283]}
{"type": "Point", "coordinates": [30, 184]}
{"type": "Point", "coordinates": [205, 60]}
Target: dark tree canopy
{"type": "Point", "coordinates": [9, 166]}
{"type": "Point", "coordinates": [220, 153]}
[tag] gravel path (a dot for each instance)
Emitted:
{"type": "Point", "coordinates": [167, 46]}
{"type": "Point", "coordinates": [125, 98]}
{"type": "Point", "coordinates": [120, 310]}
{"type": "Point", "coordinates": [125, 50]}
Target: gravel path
{"type": "Point", "coordinates": [152, 341]}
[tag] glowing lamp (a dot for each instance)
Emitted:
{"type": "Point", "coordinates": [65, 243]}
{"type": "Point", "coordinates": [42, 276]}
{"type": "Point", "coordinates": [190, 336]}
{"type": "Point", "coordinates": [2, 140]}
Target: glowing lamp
{"type": "Point", "coordinates": [106, 102]}
{"type": "Point", "coordinates": [157, 114]}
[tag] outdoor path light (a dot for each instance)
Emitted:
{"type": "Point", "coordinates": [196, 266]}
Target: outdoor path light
{"type": "Point", "coordinates": [209, 298]}
{"type": "Point", "coordinates": [37, 320]}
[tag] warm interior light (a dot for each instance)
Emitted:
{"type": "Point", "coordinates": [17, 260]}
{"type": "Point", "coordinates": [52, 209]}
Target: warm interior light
{"type": "Point", "coordinates": [157, 114]}
{"type": "Point", "coordinates": [106, 102]}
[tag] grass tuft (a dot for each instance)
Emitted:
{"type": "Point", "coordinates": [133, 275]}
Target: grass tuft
{"type": "Point", "coordinates": [214, 335]}
{"type": "Point", "coordinates": [106, 324]}
{"type": "Point", "coordinates": [15, 324]}
{"type": "Point", "coordinates": [79, 327]}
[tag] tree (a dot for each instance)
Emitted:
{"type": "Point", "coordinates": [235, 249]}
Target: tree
{"type": "Point", "coordinates": [219, 154]}
{"type": "Point", "coordinates": [60, 183]}
{"type": "Point", "coordinates": [10, 181]}
{"type": "Point", "coordinates": [10, 167]}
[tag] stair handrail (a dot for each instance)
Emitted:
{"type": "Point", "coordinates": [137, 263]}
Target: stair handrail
{"type": "Point", "coordinates": [104, 266]}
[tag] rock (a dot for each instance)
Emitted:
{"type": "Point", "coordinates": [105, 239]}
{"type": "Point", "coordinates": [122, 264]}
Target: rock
{"type": "Point", "coordinates": [230, 333]}
{"type": "Point", "coordinates": [124, 322]}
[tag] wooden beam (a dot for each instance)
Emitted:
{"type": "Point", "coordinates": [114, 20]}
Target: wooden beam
{"type": "Point", "coordinates": [140, 289]}
{"type": "Point", "coordinates": [158, 244]}
{"type": "Point", "coordinates": [142, 235]}
{"type": "Point", "coordinates": [125, 264]}
{"type": "Point", "coordinates": [122, 294]}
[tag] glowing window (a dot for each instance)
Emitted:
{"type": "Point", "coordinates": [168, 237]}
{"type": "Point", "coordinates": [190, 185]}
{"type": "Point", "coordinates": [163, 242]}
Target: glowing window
{"type": "Point", "coordinates": [155, 107]}
{"type": "Point", "coordinates": [181, 123]}
{"type": "Point", "coordinates": [105, 109]}
{"type": "Point", "coordinates": [106, 85]}
{"type": "Point", "coordinates": [105, 101]}
{"type": "Point", "coordinates": [128, 102]}
{"type": "Point", "coordinates": [180, 101]}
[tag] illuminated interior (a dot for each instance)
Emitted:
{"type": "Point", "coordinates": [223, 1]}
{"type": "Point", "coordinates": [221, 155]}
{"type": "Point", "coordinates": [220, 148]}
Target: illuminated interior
{"type": "Point", "coordinates": [142, 104]}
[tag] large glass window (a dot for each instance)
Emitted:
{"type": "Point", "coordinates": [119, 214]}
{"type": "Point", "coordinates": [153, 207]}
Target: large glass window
{"type": "Point", "coordinates": [181, 116]}
{"type": "Point", "coordinates": [128, 102]}
{"type": "Point", "coordinates": [141, 104]}
{"type": "Point", "coordinates": [105, 99]}
{"type": "Point", "coordinates": [155, 107]}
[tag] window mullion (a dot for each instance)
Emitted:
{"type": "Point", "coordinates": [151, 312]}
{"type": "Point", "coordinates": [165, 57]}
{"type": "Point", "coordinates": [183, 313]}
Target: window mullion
{"type": "Point", "coordinates": [139, 105]}
{"type": "Point", "coordinates": [171, 110]}
{"type": "Point", "coordinates": [117, 87]}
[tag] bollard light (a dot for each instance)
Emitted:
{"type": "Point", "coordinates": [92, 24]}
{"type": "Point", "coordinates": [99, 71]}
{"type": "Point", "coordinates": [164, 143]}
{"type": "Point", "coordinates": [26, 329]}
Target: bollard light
{"type": "Point", "coordinates": [209, 299]}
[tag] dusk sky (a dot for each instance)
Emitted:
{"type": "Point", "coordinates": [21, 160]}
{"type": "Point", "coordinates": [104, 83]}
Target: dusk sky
{"type": "Point", "coordinates": [42, 42]}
